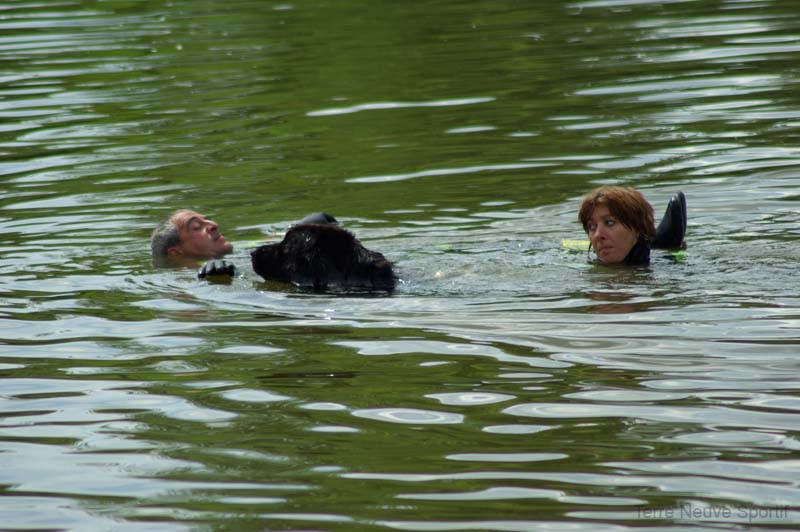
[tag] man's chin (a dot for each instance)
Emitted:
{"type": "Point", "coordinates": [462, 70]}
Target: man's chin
{"type": "Point", "coordinates": [220, 247]}
{"type": "Point", "coordinates": [222, 252]}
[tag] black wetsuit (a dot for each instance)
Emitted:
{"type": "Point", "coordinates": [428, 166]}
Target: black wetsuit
{"type": "Point", "coordinates": [639, 254]}
{"type": "Point", "coordinates": [669, 234]}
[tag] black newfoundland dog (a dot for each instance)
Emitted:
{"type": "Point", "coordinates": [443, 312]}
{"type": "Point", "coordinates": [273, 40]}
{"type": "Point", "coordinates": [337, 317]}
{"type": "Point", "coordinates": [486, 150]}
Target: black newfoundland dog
{"type": "Point", "coordinates": [318, 254]}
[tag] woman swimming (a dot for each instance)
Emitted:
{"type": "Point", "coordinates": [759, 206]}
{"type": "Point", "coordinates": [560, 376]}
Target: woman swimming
{"type": "Point", "coordinates": [620, 225]}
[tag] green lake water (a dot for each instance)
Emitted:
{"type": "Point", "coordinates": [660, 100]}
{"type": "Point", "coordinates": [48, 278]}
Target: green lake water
{"type": "Point", "coordinates": [507, 384]}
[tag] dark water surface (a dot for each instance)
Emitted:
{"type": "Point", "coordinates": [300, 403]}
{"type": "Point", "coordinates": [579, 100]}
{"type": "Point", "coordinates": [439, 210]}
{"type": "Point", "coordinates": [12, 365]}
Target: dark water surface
{"type": "Point", "coordinates": [507, 385]}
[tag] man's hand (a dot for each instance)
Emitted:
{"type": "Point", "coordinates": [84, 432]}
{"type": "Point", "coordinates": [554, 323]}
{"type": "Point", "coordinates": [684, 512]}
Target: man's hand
{"type": "Point", "coordinates": [217, 270]}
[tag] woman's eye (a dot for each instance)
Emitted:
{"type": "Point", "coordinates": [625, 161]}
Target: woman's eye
{"type": "Point", "coordinates": [610, 223]}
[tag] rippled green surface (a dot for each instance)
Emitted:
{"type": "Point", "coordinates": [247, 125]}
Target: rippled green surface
{"type": "Point", "coordinates": [507, 385]}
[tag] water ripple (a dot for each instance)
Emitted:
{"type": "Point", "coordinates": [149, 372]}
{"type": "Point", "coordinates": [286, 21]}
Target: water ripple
{"type": "Point", "coordinates": [488, 495]}
{"type": "Point", "coordinates": [446, 172]}
{"type": "Point", "coordinates": [470, 398]}
{"type": "Point", "coordinates": [412, 416]}
{"type": "Point", "coordinates": [715, 416]}
{"type": "Point", "coordinates": [398, 105]}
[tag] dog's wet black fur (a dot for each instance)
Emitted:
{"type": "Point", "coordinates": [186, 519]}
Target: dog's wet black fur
{"type": "Point", "coordinates": [323, 257]}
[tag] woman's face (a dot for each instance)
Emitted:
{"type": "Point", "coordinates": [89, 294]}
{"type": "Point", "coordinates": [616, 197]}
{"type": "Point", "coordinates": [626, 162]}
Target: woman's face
{"type": "Point", "coordinates": [611, 240]}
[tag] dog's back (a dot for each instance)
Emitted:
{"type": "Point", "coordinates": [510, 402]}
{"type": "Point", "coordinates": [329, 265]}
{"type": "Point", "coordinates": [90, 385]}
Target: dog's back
{"type": "Point", "coordinates": [323, 256]}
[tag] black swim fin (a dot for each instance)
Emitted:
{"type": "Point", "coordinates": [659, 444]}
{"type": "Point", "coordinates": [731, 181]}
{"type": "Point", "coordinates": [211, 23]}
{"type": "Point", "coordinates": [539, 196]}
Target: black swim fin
{"type": "Point", "coordinates": [672, 228]}
{"type": "Point", "coordinates": [319, 218]}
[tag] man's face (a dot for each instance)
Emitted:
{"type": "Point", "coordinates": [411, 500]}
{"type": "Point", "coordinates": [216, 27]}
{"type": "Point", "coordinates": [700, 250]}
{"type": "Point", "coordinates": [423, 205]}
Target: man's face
{"type": "Point", "coordinates": [200, 238]}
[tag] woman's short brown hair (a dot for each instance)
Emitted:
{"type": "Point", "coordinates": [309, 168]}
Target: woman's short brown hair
{"type": "Point", "coordinates": [626, 204]}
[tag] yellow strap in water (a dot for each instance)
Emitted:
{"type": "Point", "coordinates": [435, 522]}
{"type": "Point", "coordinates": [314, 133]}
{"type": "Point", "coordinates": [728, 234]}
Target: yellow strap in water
{"type": "Point", "coordinates": [579, 245]}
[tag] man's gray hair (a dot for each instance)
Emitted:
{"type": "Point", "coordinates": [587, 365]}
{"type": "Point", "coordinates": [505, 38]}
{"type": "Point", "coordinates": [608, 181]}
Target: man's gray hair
{"type": "Point", "coordinates": [164, 237]}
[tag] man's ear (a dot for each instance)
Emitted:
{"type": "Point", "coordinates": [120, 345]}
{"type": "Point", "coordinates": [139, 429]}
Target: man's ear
{"type": "Point", "coordinates": [174, 250]}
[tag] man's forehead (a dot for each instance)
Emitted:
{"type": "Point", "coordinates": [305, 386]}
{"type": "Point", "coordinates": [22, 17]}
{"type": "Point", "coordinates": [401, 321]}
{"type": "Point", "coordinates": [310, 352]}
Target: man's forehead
{"type": "Point", "coordinates": [183, 218]}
